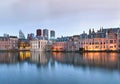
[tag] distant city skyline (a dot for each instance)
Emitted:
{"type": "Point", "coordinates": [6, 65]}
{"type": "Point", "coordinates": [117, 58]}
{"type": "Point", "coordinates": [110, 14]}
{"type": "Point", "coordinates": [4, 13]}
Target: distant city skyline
{"type": "Point", "coordinates": [66, 17]}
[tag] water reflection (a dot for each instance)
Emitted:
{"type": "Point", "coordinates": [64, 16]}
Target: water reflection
{"type": "Point", "coordinates": [96, 60]}
{"type": "Point", "coordinates": [13, 57]}
{"type": "Point", "coordinates": [39, 58]}
{"type": "Point", "coordinates": [24, 55]}
{"type": "Point", "coordinates": [6, 58]}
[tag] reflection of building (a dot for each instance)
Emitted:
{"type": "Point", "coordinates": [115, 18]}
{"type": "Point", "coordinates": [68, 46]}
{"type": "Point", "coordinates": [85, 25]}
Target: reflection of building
{"type": "Point", "coordinates": [13, 57]}
{"type": "Point", "coordinates": [39, 58]}
{"type": "Point", "coordinates": [98, 59]}
{"type": "Point", "coordinates": [24, 55]}
{"type": "Point", "coordinates": [38, 45]}
{"type": "Point", "coordinates": [9, 43]}
{"type": "Point", "coordinates": [8, 57]}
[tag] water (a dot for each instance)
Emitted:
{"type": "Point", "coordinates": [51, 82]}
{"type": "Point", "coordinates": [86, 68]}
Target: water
{"type": "Point", "coordinates": [59, 68]}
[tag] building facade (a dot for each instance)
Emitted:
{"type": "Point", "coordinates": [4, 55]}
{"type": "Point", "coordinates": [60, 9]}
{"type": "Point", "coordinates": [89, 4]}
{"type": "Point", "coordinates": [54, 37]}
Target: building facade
{"type": "Point", "coordinates": [46, 34]}
{"type": "Point", "coordinates": [24, 45]}
{"type": "Point", "coordinates": [39, 32]}
{"type": "Point", "coordinates": [38, 45]}
{"type": "Point", "coordinates": [52, 34]}
{"type": "Point", "coordinates": [9, 43]}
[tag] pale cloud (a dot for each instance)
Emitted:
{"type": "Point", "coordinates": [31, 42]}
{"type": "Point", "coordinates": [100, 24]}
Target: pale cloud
{"type": "Point", "coordinates": [38, 9]}
{"type": "Point", "coordinates": [60, 14]}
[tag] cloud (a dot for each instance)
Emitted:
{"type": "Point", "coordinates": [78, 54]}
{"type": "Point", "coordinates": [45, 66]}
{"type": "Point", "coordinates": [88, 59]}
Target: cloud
{"type": "Point", "coordinates": [18, 11]}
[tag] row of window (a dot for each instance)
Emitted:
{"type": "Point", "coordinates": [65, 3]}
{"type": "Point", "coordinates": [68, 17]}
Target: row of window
{"type": "Point", "coordinates": [91, 43]}
{"type": "Point", "coordinates": [96, 47]}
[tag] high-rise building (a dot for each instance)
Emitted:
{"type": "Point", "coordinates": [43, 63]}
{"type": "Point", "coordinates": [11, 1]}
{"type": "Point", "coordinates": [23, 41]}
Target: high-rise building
{"type": "Point", "coordinates": [52, 34]}
{"type": "Point", "coordinates": [39, 32]}
{"type": "Point", "coordinates": [45, 33]}
{"type": "Point", "coordinates": [21, 35]}
{"type": "Point", "coordinates": [30, 36]}
{"type": "Point", "coordinates": [6, 35]}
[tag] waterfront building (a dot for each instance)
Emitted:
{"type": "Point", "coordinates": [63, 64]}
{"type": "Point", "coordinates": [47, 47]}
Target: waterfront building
{"type": "Point", "coordinates": [24, 45]}
{"type": "Point", "coordinates": [72, 43]}
{"type": "Point", "coordinates": [49, 45]}
{"type": "Point", "coordinates": [38, 44]}
{"type": "Point", "coordinates": [102, 40]}
{"type": "Point", "coordinates": [60, 44]}
{"type": "Point", "coordinates": [9, 43]}
{"type": "Point", "coordinates": [13, 43]}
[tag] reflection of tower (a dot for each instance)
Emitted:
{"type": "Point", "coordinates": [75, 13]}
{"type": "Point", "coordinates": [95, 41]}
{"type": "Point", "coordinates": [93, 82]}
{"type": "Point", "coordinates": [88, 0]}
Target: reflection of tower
{"type": "Point", "coordinates": [52, 34]}
{"type": "Point", "coordinates": [39, 58]}
{"type": "Point", "coordinates": [21, 35]}
{"type": "Point", "coordinates": [45, 33]}
{"type": "Point", "coordinates": [39, 32]}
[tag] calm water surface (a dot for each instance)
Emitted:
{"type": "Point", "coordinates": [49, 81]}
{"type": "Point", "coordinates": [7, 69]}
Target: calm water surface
{"type": "Point", "coordinates": [59, 68]}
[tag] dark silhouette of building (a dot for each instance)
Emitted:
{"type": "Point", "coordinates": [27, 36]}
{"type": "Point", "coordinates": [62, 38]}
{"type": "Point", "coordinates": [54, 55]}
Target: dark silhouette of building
{"type": "Point", "coordinates": [52, 34]}
{"type": "Point", "coordinates": [45, 33]}
{"type": "Point", "coordinates": [39, 32]}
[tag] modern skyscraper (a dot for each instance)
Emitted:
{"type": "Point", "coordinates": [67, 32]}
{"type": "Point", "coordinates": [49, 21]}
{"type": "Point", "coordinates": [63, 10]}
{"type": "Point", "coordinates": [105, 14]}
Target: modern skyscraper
{"type": "Point", "coordinates": [45, 33]}
{"type": "Point", "coordinates": [52, 34]}
{"type": "Point", "coordinates": [30, 36]}
{"type": "Point", "coordinates": [21, 35]}
{"type": "Point", "coordinates": [39, 32]}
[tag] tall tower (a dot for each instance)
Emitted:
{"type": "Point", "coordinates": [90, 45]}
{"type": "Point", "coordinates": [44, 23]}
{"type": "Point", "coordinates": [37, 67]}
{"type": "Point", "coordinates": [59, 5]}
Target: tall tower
{"type": "Point", "coordinates": [45, 33]}
{"type": "Point", "coordinates": [52, 34]}
{"type": "Point", "coordinates": [21, 35]}
{"type": "Point", "coordinates": [90, 31]}
{"type": "Point", "coordinates": [39, 32]}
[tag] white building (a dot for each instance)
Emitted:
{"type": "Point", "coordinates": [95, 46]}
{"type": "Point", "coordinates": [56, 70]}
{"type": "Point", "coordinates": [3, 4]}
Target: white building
{"type": "Point", "coordinates": [38, 45]}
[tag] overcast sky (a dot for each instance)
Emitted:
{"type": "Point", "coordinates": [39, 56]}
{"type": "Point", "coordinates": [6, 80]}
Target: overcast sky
{"type": "Point", "coordinates": [66, 17]}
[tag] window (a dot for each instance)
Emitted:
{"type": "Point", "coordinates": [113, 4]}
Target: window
{"type": "Point", "coordinates": [96, 46]}
{"type": "Point", "coordinates": [115, 41]}
{"type": "Point", "coordinates": [111, 46]}
{"type": "Point", "coordinates": [111, 41]}
{"type": "Point", "coordinates": [90, 43]}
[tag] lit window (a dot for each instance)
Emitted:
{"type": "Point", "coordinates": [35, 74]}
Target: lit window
{"type": "Point", "coordinates": [111, 46]}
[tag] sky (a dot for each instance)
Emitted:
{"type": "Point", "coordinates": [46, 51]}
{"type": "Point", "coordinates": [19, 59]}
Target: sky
{"type": "Point", "coordinates": [66, 17]}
